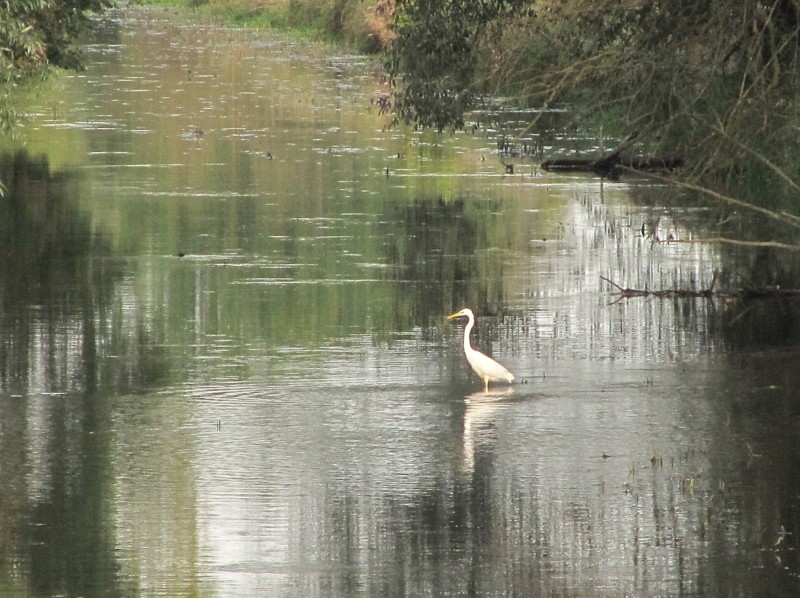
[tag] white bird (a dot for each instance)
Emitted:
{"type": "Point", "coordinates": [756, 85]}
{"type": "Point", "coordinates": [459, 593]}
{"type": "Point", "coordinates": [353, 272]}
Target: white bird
{"type": "Point", "coordinates": [486, 367]}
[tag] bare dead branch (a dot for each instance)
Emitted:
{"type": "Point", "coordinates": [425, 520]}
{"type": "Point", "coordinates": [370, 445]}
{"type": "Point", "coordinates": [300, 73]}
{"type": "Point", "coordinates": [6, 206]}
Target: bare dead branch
{"type": "Point", "coordinates": [709, 293]}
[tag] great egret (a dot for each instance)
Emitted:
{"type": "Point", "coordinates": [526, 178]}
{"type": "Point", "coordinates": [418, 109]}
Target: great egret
{"type": "Point", "coordinates": [486, 367]}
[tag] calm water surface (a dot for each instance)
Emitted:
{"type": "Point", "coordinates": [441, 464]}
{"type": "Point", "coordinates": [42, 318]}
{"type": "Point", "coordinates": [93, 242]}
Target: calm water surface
{"type": "Point", "coordinates": [225, 368]}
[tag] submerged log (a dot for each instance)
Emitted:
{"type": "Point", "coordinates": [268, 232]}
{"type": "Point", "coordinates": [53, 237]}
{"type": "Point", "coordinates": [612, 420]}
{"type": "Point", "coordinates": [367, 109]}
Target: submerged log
{"type": "Point", "coordinates": [610, 163]}
{"type": "Point", "coordinates": [604, 168]}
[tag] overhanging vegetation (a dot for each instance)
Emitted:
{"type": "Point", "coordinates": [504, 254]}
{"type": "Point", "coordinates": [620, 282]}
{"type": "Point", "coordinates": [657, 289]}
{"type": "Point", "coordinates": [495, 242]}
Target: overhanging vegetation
{"type": "Point", "coordinates": [715, 83]}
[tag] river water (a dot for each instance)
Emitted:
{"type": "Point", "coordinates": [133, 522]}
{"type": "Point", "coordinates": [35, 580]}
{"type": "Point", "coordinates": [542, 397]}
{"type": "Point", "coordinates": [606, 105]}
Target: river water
{"type": "Point", "coordinates": [225, 368]}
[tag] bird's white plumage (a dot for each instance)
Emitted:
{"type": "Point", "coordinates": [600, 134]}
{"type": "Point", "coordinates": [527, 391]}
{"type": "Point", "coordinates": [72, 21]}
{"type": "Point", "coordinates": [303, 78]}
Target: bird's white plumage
{"type": "Point", "coordinates": [486, 367]}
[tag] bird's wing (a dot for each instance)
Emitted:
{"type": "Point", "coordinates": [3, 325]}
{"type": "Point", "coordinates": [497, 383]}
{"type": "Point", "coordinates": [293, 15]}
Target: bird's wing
{"type": "Point", "coordinates": [488, 366]}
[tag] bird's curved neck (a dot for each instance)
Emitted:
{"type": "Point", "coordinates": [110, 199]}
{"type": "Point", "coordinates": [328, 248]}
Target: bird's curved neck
{"type": "Point", "coordinates": [467, 331]}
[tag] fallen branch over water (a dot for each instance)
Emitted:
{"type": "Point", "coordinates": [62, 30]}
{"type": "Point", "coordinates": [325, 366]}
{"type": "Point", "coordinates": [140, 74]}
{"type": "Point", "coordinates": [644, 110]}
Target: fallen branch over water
{"type": "Point", "coordinates": [709, 293]}
{"type": "Point", "coordinates": [667, 294]}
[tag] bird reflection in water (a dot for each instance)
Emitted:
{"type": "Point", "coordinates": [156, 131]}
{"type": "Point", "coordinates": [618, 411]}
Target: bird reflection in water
{"type": "Point", "coordinates": [479, 419]}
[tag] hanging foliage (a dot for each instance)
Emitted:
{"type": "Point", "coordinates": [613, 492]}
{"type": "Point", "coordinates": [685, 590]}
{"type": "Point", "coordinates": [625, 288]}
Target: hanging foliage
{"type": "Point", "coordinates": [434, 56]}
{"type": "Point", "coordinates": [36, 35]}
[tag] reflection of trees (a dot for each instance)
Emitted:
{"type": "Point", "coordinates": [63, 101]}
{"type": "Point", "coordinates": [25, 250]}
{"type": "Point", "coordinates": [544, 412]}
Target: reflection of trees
{"type": "Point", "coordinates": [753, 521]}
{"type": "Point", "coordinates": [71, 549]}
{"type": "Point", "coordinates": [441, 258]}
{"type": "Point", "coordinates": [423, 546]}
{"type": "Point", "coordinates": [700, 520]}
{"type": "Point", "coordinates": [743, 322]}
{"type": "Point", "coordinates": [47, 277]}
{"type": "Point", "coordinates": [55, 296]}
{"type": "Point", "coordinates": [766, 321]}
{"type": "Point", "coordinates": [59, 303]}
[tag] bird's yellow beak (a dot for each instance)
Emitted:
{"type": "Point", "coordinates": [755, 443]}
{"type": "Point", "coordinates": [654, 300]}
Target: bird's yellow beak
{"type": "Point", "coordinates": [455, 315]}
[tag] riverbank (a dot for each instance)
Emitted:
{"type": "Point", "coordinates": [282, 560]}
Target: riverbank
{"type": "Point", "coordinates": [361, 24]}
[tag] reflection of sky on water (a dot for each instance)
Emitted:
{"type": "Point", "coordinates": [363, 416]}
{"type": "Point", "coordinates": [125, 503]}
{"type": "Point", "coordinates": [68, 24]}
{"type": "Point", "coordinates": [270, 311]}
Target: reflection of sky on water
{"type": "Point", "coordinates": [337, 470]}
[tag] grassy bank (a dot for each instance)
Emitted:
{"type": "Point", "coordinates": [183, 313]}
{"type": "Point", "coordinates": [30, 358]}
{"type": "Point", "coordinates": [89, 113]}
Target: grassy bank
{"type": "Point", "coordinates": [360, 23]}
